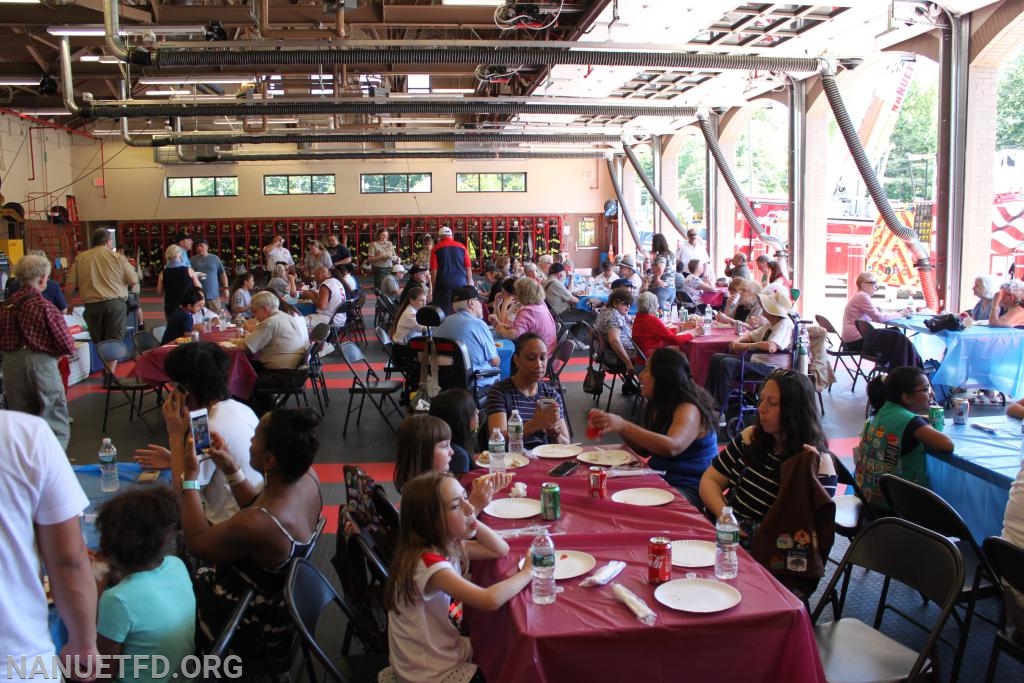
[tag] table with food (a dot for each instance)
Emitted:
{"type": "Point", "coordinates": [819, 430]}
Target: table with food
{"type": "Point", "coordinates": [610, 508]}
{"type": "Point", "coordinates": [149, 367]}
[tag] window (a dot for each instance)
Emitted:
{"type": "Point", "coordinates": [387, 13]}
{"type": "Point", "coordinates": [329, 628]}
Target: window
{"type": "Point", "coordinates": [208, 186]}
{"type": "Point", "coordinates": [587, 234]}
{"type": "Point", "coordinates": [490, 182]}
{"type": "Point", "coordinates": [382, 183]}
{"type": "Point", "coordinates": [298, 184]}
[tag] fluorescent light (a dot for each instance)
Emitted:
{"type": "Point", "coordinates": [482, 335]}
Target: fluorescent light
{"type": "Point", "coordinates": [384, 122]}
{"type": "Point", "coordinates": [45, 111]}
{"type": "Point", "coordinates": [75, 30]}
{"type": "Point", "coordinates": [236, 122]}
{"type": "Point", "coordinates": [195, 78]}
{"type": "Point", "coordinates": [474, 3]}
{"type": "Point", "coordinates": [19, 2]}
{"type": "Point", "coordinates": [320, 77]}
{"type": "Point", "coordinates": [141, 30]}
{"type": "Point", "coordinates": [452, 91]}
{"type": "Point", "coordinates": [321, 91]}
{"type": "Point", "coordinates": [89, 58]}
{"type": "Point", "coordinates": [168, 92]}
{"type": "Point", "coordinates": [19, 81]}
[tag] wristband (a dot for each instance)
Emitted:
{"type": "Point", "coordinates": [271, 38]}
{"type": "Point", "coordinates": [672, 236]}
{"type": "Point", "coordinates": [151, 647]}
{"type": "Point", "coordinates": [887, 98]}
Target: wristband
{"type": "Point", "coordinates": [236, 477]}
{"type": "Point", "coordinates": [190, 485]}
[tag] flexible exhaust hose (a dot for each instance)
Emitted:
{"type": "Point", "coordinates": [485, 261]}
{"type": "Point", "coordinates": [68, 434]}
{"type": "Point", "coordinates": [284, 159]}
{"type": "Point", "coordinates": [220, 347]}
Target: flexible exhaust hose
{"type": "Point", "coordinates": [617, 186]}
{"type": "Point", "coordinates": [734, 187]}
{"type": "Point", "coordinates": [286, 137]}
{"type": "Point", "coordinates": [922, 261]}
{"type": "Point", "coordinates": [501, 56]}
{"type": "Point", "coordinates": [665, 209]}
{"type": "Point", "coordinates": [375, 108]}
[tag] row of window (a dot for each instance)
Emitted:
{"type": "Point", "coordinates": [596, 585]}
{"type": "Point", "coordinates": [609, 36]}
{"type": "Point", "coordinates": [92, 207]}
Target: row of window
{"type": "Point", "coordinates": [369, 183]}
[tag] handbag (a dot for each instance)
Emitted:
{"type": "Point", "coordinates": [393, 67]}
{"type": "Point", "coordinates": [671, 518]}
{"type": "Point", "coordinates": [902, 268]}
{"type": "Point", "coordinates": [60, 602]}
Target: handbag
{"type": "Point", "coordinates": [593, 382]}
{"type": "Point", "coordinates": [946, 321]}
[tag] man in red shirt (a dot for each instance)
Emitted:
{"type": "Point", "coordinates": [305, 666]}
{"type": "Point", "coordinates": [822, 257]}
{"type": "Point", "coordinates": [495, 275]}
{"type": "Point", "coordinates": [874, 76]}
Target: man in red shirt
{"type": "Point", "coordinates": [450, 268]}
{"type": "Point", "coordinates": [33, 337]}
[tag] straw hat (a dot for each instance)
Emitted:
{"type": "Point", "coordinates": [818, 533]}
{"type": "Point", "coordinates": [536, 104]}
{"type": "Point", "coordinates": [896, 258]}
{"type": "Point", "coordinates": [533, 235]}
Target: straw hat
{"type": "Point", "coordinates": [775, 303]}
{"type": "Point", "coordinates": [626, 261]}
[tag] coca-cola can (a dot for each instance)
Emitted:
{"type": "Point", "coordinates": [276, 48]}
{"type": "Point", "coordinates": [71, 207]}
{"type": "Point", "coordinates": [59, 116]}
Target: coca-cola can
{"type": "Point", "coordinates": [659, 560]}
{"type": "Point", "coordinates": [598, 481]}
{"type": "Point", "coordinates": [961, 411]}
{"type": "Point", "coordinates": [738, 326]}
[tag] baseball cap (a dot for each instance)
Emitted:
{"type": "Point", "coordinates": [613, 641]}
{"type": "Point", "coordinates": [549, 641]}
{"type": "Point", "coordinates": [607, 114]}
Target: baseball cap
{"type": "Point", "coordinates": [445, 232]}
{"type": "Point", "coordinates": [181, 235]}
{"type": "Point", "coordinates": [465, 293]}
{"type": "Point", "coordinates": [622, 282]}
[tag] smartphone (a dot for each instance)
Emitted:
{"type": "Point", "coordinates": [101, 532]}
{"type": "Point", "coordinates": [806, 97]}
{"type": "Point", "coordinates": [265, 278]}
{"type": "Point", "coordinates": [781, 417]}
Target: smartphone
{"type": "Point", "coordinates": [200, 430]}
{"type": "Point", "coordinates": [544, 403]}
{"type": "Point", "coordinates": [562, 469]}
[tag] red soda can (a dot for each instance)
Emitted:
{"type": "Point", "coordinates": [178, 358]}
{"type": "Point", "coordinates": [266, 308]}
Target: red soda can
{"type": "Point", "coordinates": [598, 480]}
{"type": "Point", "coordinates": [659, 560]}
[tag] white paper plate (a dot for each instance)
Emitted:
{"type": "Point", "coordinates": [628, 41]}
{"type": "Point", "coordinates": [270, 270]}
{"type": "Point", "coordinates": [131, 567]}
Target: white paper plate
{"type": "Point", "coordinates": [513, 508]}
{"type": "Point", "coordinates": [556, 451]}
{"type": "Point", "coordinates": [511, 461]}
{"type": "Point", "coordinates": [693, 553]}
{"type": "Point", "coordinates": [646, 497]}
{"type": "Point", "coordinates": [607, 458]}
{"type": "Point", "coordinates": [697, 595]}
{"type": "Point", "coordinates": [570, 563]}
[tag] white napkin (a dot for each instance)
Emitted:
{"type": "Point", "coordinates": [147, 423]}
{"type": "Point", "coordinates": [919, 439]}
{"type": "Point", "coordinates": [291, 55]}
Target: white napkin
{"type": "Point", "coordinates": [637, 606]}
{"type": "Point", "coordinates": [604, 574]}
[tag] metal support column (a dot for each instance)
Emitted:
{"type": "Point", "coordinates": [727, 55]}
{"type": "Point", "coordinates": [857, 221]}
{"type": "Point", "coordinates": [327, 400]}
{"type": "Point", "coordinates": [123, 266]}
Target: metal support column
{"type": "Point", "coordinates": [711, 197]}
{"type": "Point", "coordinates": [658, 178]}
{"type": "Point", "coordinates": [797, 166]}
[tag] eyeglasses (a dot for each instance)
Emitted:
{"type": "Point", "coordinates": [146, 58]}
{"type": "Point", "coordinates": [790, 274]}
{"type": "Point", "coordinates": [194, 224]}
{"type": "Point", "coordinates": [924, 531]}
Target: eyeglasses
{"type": "Point", "coordinates": [871, 282]}
{"type": "Point", "coordinates": [927, 389]}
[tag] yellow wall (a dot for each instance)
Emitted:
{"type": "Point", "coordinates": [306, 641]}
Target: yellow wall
{"type": "Point", "coordinates": [51, 169]}
{"type": "Point", "coordinates": [135, 187]}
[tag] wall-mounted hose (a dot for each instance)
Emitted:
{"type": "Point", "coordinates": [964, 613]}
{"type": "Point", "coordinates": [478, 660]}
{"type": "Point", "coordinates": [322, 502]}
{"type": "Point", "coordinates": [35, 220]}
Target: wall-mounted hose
{"type": "Point", "coordinates": [623, 206]}
{"type": "Point", "coordinates": [878, 195]}
{"type": "Point", "coordinates": [734, 187]}
{"type": "Point", "coordinates": [665, 208]}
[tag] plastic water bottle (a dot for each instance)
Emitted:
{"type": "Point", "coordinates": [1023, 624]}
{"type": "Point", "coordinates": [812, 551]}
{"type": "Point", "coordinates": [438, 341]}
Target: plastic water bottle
{"type": "Point", "coordinates": [542, 554]}
{"type": "Point", "coordinates": [515, 434]}
{"type": "Point", "coordinates": [496, 448]}
{"type": "Point", "coordinates": [727, 537]}
{"type": "Point", "coordinates": [675, 314]}
{"type": "Point", "coordinates": [802, 359]}
{"type": "Point", "coordinates": [108, 467]}
{"type": "Point", "coordinates": [709, 318]}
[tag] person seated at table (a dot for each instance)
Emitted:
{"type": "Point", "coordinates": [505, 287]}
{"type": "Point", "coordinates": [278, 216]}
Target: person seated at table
{"type": "Point", "coordinates": [201, 373]}
{"type": "Point", "coordinates": [563, 303]}
{"type": "Point", "coordinates": [627, 270]}
{"type": "Point", "coordinates": [389, 287]}
{"type": "Point", "coordinates": [694, 284]}
{"type": "Point", "coordinates": [241, 295]}
{"type": "Point", "coordinates": [466, 325]}
{"type": "Point", "coordinates": [405, 326]}
{"type": "Point", "coordinates": [861, 307]}
{"type": "Point", "coordinates": [283, 282]}
{"type": "Point", "coordinates": [986, 287]}
{"type": "Point", "coordinates": [746, 306]}
{"type": "Point", "coordinates": [255, 547]}
{"type": "Point", "coordinates": [418, 277]}
{"type": "Point", "coordinates": [606, 276]}
{"type": "Point", "coordinates": [151, 609]}
{"type": "Point", "coordinates": [898, 400]}
{"type": "Point", "coordinates": [175, 279]}
{"type": "Point", "coordinates": [184, 318]}
{"type": "Point", "coordinates": [650, 333]}
{"type": "Point", "coordinates": [279, 341]}
{"type": "Point", "coordinates": [316, 257]}
{"type": "Point", "coordinates": [614, 331]}
{"type": "Point", "coordinates": [505, 303]}
{"type": "Point", "coordinates": [746, 475]}
{"type": "Point", "coordinates": [533, 315]}
{"type": "Point", "coordinates": [775, 278]}
{"type": "Point", "coordinates": [522, 391]}
{"type": "Point", "coordinates": [423, 444]}
{"type": "Point", "coordinates": [1008, 308]}
{"type": "Point", "coordinates": [774, 336]}
{"type": "Point", "coordinates": [458, 410]}
{"type": "Point", "coordinates": [347, 277]}
{"type": "Point", "coordinates": [678, 427]}
{"type": "Point", "coordinates": [533, 272]}
{"type": "Point", "coordinates": [328, 296]}
{"type": "Point", "coordinates": [439, 535]}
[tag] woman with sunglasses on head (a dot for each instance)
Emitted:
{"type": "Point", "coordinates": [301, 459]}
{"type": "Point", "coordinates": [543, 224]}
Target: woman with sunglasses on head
{"type": "Point", "coordinates": [1008, 305]}
{"type": "Point", "coordinates": [861, 307]}
{"type": "Point", "coordinates": [894, 440]}
{"type": "Point", "coordinates": [749, 468]}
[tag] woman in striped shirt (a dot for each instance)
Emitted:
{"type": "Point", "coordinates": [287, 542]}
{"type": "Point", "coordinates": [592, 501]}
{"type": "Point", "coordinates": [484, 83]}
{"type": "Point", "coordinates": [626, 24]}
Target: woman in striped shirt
{"type": "Point", "coordinates": [749, 467]}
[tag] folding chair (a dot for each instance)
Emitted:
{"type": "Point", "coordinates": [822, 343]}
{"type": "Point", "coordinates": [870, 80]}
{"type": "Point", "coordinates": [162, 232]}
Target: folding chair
{"type": "Point", "coordinates": [362, 575]}
{"type": "Point", "coordinates": [219, 649]}
{"type": "Point", "coordinates": [851, 650]}
{"type": "Point", "coordinates": [113, 352]}
{"type": "Point", "coordinates": [1007, 561]}
{"type": "Point", "coordinates": [917, 504]}
{"type": "Point", "coordinates": [556, 364]}
{"type": "Point", "coordinates": [316, 366]}
{"type": "Point", "coordinates": [144, 341]}
{"type": "Point", "coordinates": [386, 345]}
{"type": "Point", "coordinates": [367, 385]}
{"type": "Point", "coordinates": [841, 353]}
{"type": "Point", "coordinates": [355, 326]}
{"type": "Point", "coordinates": [308, 595]}
{"type": "Point", "coordinates": [159, 331]}
{"type": "Point", "coordinates": [296, 386]}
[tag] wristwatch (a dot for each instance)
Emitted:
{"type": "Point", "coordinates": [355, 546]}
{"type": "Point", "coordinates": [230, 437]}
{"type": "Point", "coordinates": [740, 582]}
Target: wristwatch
{"type": "Point", "coordinates": [190, 485]}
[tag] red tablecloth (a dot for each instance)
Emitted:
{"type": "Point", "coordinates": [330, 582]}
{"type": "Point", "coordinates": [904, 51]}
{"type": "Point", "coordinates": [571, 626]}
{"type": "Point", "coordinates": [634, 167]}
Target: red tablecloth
{"type": "Point", "coordinates": [716, 298]}
{"type": "Point", "coordinates": [702, 348]}
{"type": "Point", "coordinates": [241, 375]}
{"type": "Point", "coordinates": [588, 634]}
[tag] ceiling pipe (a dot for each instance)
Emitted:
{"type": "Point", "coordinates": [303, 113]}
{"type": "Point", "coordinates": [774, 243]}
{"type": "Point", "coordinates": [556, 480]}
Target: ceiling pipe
{"type": "Point", "coordinates": [613, 173]}
{"type": "Point", "coordinates": [285, 137]}
{"type": "Point", "coordinates": [397, 154]}
{"type": "Point", "coordinates": [655, 195]}
{"type": "Point", "coordinates": [262, 9]}
{"type": "Point", "coordinates": [67, 84]}
{"type": "Point", "coordinates": [112, 30]}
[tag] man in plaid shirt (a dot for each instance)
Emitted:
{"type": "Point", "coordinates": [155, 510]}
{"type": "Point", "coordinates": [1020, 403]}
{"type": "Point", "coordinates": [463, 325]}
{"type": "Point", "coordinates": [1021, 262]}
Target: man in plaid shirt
{"type": "Point", "coordinates": [33, 337]}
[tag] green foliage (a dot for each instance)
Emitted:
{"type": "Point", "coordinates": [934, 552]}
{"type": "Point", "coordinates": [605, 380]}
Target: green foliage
{"type": "Point", "coordinates": [1010, 104]}
{"type": "Point", "coordinates": [690, 181]}
{"type": "Point", "coordinates": [911, 168]}
{"type": "Point", "coordinates": [761, 156]}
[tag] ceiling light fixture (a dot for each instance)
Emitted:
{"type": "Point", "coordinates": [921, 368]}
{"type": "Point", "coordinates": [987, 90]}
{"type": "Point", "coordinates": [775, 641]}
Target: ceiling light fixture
{"type": "Point", "coordinates": [473, 3]}
{"type": "Point", "coordinates": [168, 92]}
{"type": "Point", "coordinates": [97, 30]}
{"type": "Point", "coordinates": [195, 78]}
{"type": "Point", "coordinates": [452, 91]}
{"type": "Point", "coordinates": [45, 111]}
{"type": "Point", "coordinates": [18, 81]}
{"type": "Point", "coordinates": [385, 122]}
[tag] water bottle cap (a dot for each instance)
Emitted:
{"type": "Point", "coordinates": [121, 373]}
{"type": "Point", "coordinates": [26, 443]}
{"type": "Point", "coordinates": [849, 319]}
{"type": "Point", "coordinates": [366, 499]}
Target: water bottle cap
{"type": "Point", "coordinates": [106, 440]}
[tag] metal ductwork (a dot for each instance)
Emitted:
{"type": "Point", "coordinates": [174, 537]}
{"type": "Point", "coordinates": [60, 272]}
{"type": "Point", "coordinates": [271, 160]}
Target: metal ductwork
{"type": "Point", "coordinates": [222, 157]}
{"type": "Point", "coordinates": [658, 199]}
{"type": "Point", "coordinates": [613, 173]}
{"type": "Point", "coordinates": [373, 138]}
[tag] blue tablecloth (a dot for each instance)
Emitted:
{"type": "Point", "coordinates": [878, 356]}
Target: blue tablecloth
{"type": "Point", "coordinates": [303, 306]}
{"type": "Point", "coordinates": [975, 479]}
{"type": "Point", "coordinates": [979, 357]}
{"type": "Point", "coordinates": [505, 350]}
